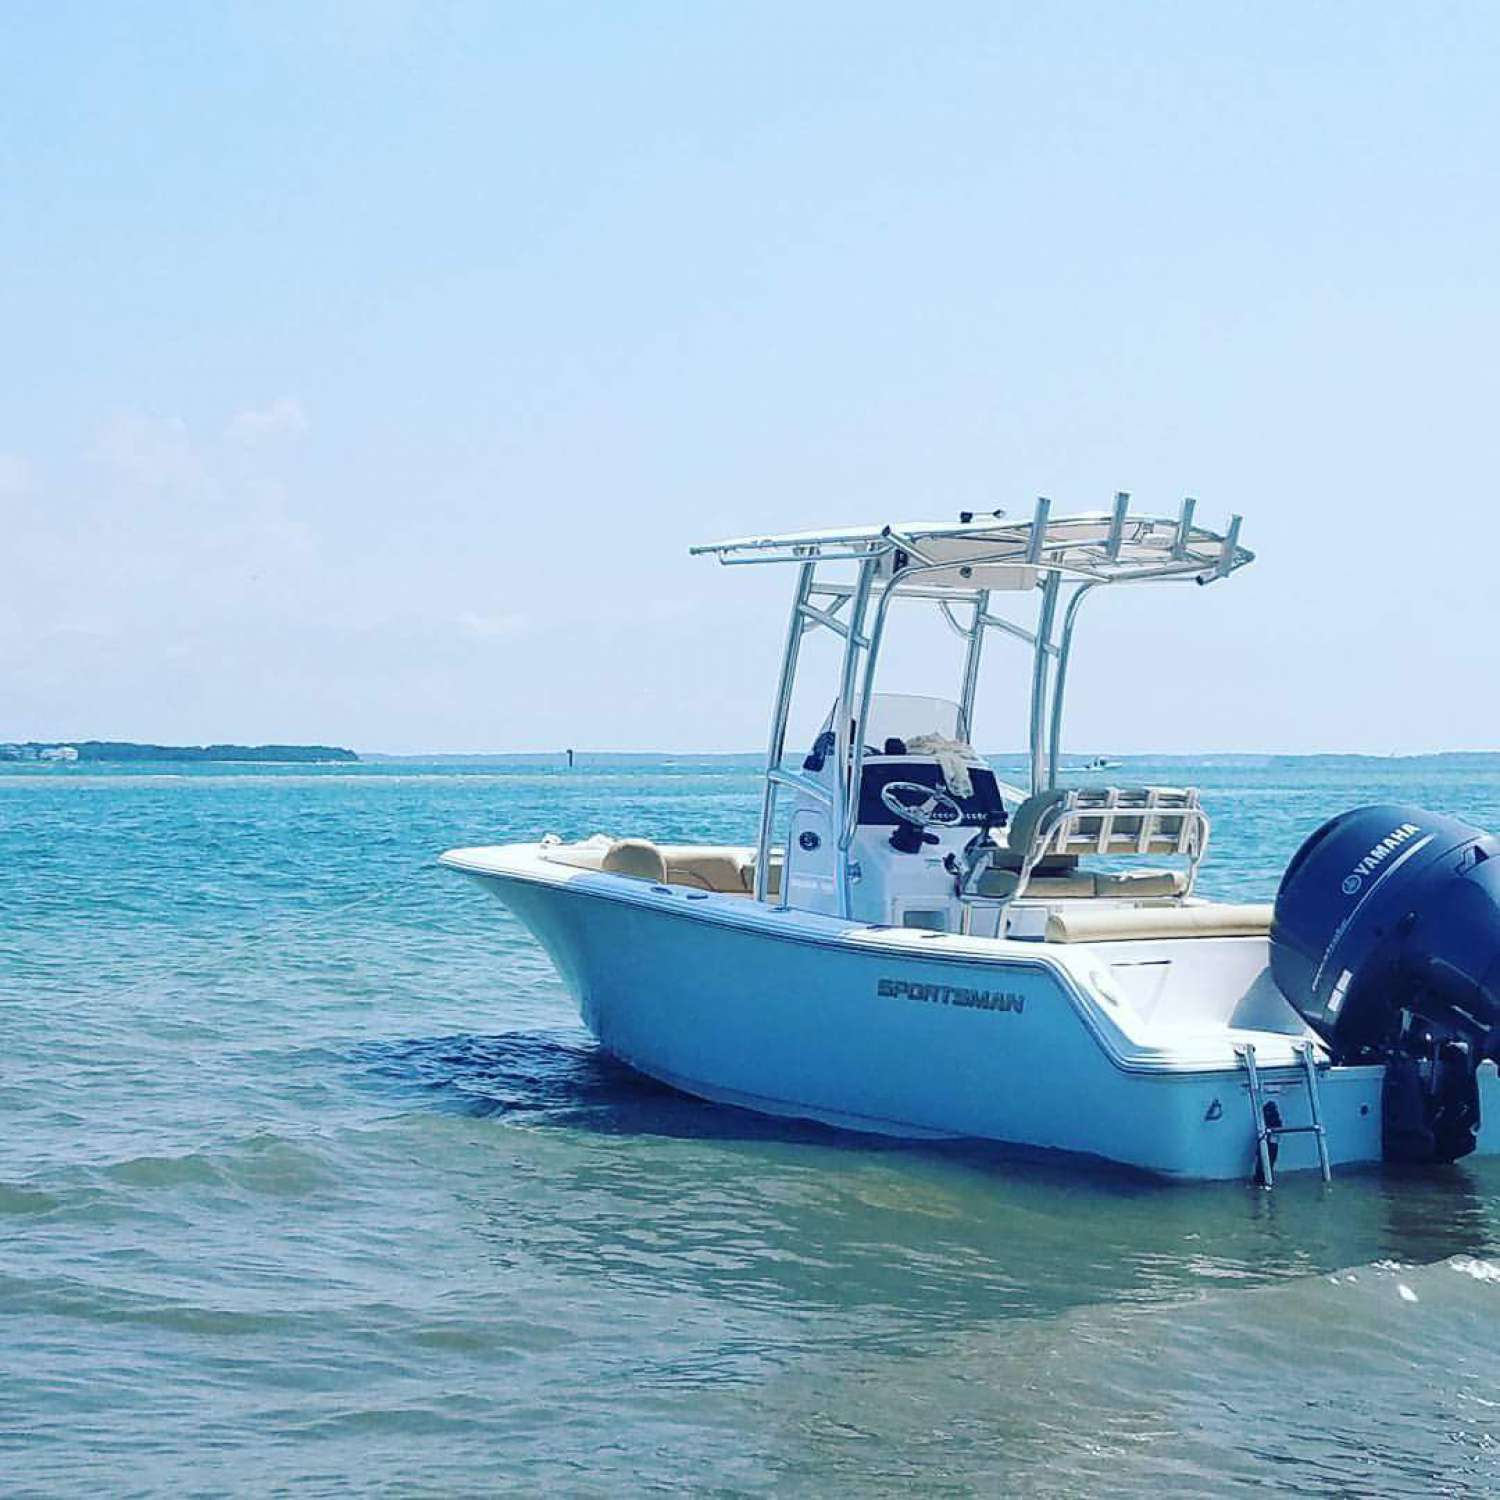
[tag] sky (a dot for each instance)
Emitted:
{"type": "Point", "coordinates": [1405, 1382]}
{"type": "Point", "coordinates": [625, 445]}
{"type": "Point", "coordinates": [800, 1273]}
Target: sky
{"type": "Point", "coordinates": [367, 369]}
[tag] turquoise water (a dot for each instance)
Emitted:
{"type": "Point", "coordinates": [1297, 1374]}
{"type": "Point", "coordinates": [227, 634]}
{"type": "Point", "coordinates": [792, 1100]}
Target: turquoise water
{"type": "Point", "coordinates": [310, 1181]}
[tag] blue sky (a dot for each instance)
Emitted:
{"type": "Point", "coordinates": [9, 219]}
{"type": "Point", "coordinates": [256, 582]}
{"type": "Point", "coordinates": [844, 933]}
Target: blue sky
{"type": "Point", "coordinates": [368, 368]}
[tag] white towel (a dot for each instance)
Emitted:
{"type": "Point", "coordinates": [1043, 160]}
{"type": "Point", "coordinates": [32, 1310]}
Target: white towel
{"type": "Point", "coordinates": [953, 757]}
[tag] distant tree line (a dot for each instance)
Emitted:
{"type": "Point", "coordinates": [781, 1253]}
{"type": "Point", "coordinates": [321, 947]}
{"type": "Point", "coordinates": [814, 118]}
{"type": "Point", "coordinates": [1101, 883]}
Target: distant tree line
{"type": "Point", "coordinates": [123, 750]}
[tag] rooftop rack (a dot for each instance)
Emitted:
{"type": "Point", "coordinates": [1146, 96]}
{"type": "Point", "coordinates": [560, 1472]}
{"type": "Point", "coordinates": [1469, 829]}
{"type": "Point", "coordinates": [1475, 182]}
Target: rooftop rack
{"type": "Point", "coordinates": [1097, 547]}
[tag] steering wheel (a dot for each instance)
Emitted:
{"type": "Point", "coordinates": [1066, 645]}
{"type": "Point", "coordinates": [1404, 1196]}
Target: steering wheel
{"type": "Point", "coordinates": [919, 805]}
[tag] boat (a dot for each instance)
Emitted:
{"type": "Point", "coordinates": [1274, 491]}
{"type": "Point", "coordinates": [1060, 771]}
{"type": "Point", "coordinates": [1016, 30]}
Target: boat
{"type": "Point", "coordinates": [914, 947]}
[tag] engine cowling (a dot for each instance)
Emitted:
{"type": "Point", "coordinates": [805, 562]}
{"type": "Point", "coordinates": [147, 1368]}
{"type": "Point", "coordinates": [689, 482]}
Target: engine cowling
{"type": "Point", "coordinates": [1386, 939]}
{"type": "Point", "coordinates": [1389, 916]}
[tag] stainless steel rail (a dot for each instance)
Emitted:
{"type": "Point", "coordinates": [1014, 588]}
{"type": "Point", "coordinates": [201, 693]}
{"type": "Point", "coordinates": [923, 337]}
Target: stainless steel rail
{"type": "Point", "coordinates": [918, 562]}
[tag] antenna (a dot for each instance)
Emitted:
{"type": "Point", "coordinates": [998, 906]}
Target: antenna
{"type": "Point", "coordinates": [1231, 546]}
{"type": "Point", "coordinates": [1117, 525]}
{"type": "Point", "coordinates": [1038, 529]}
{"type": "Point", "coordinates": [1184, 526]}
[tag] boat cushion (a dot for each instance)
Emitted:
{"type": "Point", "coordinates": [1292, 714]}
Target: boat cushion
{"type": "Point", "coordinates": [725, 868]}
{"type": "Point", "coordinates": [1130, 884]}
{"type": "Point", "coordinates": [1024, 821]}
{"type": "Point", "coordinates": [638, 858]}
{"type": "Point", "coordinates": [999, 885]}
{"type": "Point", "coordinates": [707, 867]}
{"type": "Point", "coordinates": [1006, 858]}
{"type": "Point", "coordinates": [1069, 881]}
{"type": "Point", "coordinates": [1106, 924]}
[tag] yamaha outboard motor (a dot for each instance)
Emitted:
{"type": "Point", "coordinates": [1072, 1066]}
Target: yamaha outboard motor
{"type": "Point", "coordinates": [1386, 939]}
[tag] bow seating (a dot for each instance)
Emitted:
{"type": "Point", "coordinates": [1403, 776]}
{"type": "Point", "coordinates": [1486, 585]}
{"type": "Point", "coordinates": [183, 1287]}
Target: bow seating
{"type": "Point", "coordinates": [723, 868]}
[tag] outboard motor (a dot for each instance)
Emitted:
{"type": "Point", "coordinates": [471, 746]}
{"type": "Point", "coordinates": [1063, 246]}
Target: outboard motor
{"type": "Point", "coordinates": [1386, 939]}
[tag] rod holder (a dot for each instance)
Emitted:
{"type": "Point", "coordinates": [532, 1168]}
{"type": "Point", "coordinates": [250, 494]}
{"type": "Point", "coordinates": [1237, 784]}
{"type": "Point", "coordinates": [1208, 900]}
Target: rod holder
{"type": "Point", "coordinates": [1117, 524]}
{"type": "Point", "coordinates": [1038, 529]}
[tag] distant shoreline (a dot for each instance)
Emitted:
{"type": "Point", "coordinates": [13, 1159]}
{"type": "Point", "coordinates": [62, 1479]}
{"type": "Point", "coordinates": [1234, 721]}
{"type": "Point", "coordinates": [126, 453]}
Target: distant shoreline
{"type": "Point", "coordinates": [127, 752]}
{"type": "Point", "coordinates": [1070, 762]}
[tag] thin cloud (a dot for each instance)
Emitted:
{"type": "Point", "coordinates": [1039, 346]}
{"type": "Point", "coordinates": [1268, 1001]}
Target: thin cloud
{"type": "Point", "coordinates": [81, 629]}
{"type": "Point", "coordinates": [282, 418]}
{"type": "Point", "coordinates": [15, 475]}
{"type": "Point", "coordinates": [493, 627]}
{"type": "Point", "coordinates": [670, 609]}
{"type": "Point", "coordinates": [153, 452]}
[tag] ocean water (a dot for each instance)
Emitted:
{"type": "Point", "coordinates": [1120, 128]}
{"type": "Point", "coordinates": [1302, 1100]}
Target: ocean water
{"type": "Point", "coordinates": [311, 1182]}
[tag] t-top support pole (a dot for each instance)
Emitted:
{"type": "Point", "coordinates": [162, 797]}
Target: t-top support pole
{"type": "Point", "coordinates": [971, 667]}
{"type": "Point", "coordinates": [846, 767]}
{"type": "Point", "coordinates": [1060, 679]}
{"type": "Point", "coordinates": [777, 744]}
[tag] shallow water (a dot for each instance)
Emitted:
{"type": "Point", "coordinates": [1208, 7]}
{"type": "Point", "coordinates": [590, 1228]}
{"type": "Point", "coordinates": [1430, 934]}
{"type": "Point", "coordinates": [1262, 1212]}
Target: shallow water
{"type": "Point", "coordinates": [309, 1179]}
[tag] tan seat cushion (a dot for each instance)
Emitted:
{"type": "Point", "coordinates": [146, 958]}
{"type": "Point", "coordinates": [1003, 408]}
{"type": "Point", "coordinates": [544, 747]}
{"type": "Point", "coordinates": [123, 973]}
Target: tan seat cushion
{"type": "Point", "coordinates": [998, 885]}
{"type": "Point", "coordinates": [1127, 885]}
{"type": "Point", "coordinates": [706, 867]}
{"type": "Point", "coordinates": [1006, 858]}
{"type": "Point", "coordinates": [1069, 881]}
{"type": "Point", "coordinates": [1027, 818]}
{"type": "Point", "coordinates": [638, 858]}
{"type": "Point", "coordinates": [1106, 924]}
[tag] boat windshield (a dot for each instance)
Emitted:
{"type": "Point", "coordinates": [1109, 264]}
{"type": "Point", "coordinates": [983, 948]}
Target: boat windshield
{"type": "Point", "coordinates": [903, 716]}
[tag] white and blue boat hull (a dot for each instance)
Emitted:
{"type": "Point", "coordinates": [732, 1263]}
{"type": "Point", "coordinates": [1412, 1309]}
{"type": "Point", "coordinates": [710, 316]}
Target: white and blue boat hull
{"type": "Point", "coordinates": [912, 1034]}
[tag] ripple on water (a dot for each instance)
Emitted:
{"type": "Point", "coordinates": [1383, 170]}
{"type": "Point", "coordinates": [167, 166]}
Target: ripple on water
{"type": "Point", "coordinates": [310, 1181]}
{"type": "Point", "coordinates": [15, 1199]}
{"type": "Point", "coordinates": [259, 1164]}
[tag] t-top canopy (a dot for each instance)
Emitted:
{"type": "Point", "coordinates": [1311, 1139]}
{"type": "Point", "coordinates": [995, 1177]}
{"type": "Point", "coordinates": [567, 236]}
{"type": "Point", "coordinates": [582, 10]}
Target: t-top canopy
{"type": "Point", "coordinates": [991, 552]}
